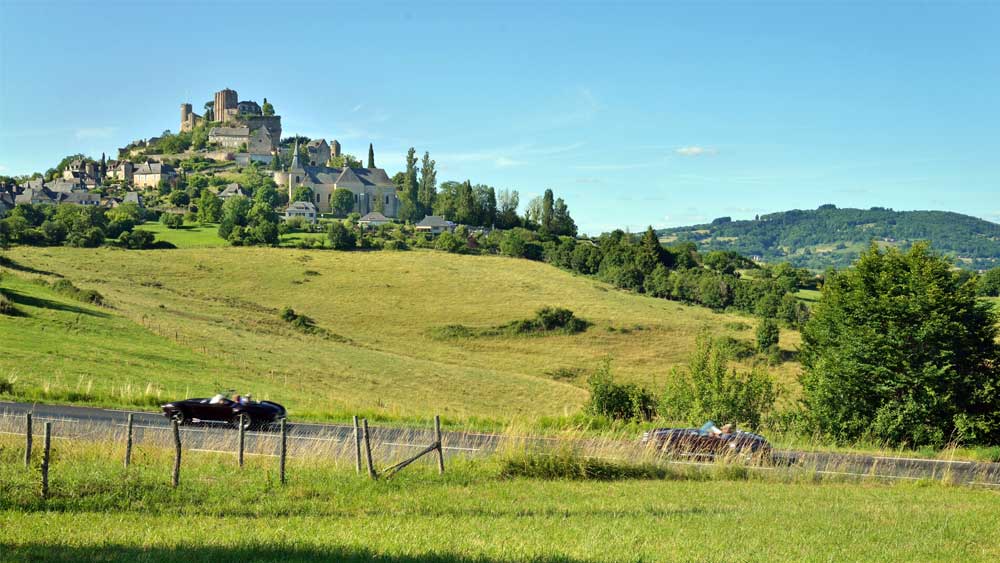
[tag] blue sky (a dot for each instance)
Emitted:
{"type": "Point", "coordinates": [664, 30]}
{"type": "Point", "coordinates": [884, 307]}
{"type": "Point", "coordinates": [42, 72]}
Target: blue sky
{"type": "Point", "coordinates": [636, 114]}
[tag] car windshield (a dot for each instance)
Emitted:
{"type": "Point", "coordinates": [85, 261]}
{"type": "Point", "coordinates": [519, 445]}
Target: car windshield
{"type": "Point", "coordinates": [218, 399]}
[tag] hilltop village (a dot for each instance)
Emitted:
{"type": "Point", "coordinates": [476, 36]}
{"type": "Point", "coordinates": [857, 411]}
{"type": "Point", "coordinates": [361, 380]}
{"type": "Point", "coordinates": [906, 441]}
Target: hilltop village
{"type": "Point", "coordinates": [230, 135]}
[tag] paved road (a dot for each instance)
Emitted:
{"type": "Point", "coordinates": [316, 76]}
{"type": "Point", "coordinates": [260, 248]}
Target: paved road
{"type": "Point", "coordinates": [393, 443]}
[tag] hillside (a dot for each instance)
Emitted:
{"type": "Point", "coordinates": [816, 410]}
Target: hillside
{"type": "Point", "coordinates": [828, 236]}
{"type": "Point", "coordinates": [192, 321]}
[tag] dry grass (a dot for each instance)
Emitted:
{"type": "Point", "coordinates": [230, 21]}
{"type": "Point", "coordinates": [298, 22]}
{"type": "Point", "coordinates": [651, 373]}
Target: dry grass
{"type": "Point", "coordinates": [209, 319]}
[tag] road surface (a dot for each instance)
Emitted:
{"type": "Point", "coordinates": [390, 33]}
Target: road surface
{"type": "Point", "coordinates": [336, 440]}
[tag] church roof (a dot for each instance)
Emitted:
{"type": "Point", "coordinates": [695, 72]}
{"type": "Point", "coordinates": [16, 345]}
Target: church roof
{"type": "Point", "coordinates": [349, 177]}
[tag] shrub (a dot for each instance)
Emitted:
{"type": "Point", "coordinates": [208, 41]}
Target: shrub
{"type": "Point", "coordinates": [548, 319]}
{"type": "Point", "coordinates": [172, 220]}
{"type": "Point", "coordinates": [448, 243]}
{"type": "Point", "coordinates": [709, 390]}
{"type": "Point", "coordinates": [768, 334]}
{"type": "Point", "coordinates": [137, 239]}
{"type": "Point", "coordinates": [7, 306]}
{"type": "Point", "coordinates": [566, 464]}
{"type": "Point", "coordinates": [618, 401]}
{"type": "Point", "coordinates": [66, 287]}
{"type": "Point", "coordinates": [900, 350]}
{"type": "Point", "coordinates": [341, 238]}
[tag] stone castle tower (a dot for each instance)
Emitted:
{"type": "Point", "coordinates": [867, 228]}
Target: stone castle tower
{"type": "Point", "coordinates": [226, 105]}
{"type": "Point", "coordinates": [189, 119]}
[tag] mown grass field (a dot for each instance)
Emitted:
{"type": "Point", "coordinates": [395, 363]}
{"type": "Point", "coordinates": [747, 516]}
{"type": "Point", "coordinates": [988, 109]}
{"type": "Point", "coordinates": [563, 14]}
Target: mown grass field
{"type": "Point", "coordinates": [98, 512]}
{"type": "Point", "coordinates": [206, 236]}
{"type": "Point", "coordinates": [196, 320]}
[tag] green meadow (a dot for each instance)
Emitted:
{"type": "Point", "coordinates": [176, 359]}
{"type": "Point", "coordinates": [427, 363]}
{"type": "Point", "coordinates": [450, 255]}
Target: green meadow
{"type": "Point", "coordinates": [98, 511]}
{"type": "Point", "coordinates": [194, 321]}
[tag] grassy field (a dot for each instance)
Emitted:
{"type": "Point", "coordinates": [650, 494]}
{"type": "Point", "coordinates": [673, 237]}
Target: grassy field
{"type": "Point", "coordinates": [326, 512]}
{"type": "Point", "coordinates": [196, 320]}
{"type": "Point", "coordinates": [188, 236]}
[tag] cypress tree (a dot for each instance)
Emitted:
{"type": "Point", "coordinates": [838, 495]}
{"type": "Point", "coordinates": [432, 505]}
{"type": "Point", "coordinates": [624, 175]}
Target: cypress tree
{"type": "Point", "coordinates": [547, 213]}
{"type": "Point", "coordinates": [428, 184]}
{"type": "Point", "coordinates": [371, 156]}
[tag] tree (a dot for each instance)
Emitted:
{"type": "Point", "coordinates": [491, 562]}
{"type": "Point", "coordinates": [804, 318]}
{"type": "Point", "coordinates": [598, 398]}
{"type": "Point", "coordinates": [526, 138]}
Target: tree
{"type": "Point", "coordinates": [562, 223]}
{"type": "Point", "coordinates": [179, 198]}
{"type": "Point", "coordinates": [444, 202]}
{"type": "Point", "coordinates": [899, 350]}
{"type": "Point", "coordinates": [209, 111]}
{"type": "Point", "coordinates": [371, 156]}
{"type": "Point", "coordinates": [234, 214]}
{"type": "Point", "coordinates": [651, 252]}
{"type": "Point", "coordinates": [172, 220]}
{"type": "Point", "coordinates": [486, 206]}
{"type": "Point", "coordinates": [303, 193]}
{"type": "Point", "coordinates": [709, 390]}
{"type": "Point", "coordinates": [341, 238]}
{"type": "Point", "coordinates": [465, 205]}
{"type": "Point", "coordinates": [342, 202]}
{"type": "Point", "coordinates": [267, 108]}
{"type": "Point", "coordinates": [379, 205]}
{"type": "Point", "coordinates": [546, 220]}
{"type": "Point", "coordinates": [768, 334]}
{"type": "Point", "coordinates": [343, 161]}
{"type": "Point", "coordinates": [508, 201]}
{"type": "Point", "coordinates": [409, 190]}
{"type": "Point", "coordinates": [533, 213]}
{"type": "Point", "coordinates": [427, 190]}
{"type": "Point", "coordinates": [449, 242]}
{"type": "Point", "coordinates": [209, 207]}
{"type": "Point", "coordinates": [989, 286]}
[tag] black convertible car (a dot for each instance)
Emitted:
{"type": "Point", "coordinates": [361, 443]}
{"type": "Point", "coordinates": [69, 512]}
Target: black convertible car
{"type": "Point", "coordinates": [221, 408]}
{"type": "Point", "coordinates": [708, 442]}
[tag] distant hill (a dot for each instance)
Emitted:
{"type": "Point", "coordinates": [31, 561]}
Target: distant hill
{"type": "Point", "coordinates": [828, 236]}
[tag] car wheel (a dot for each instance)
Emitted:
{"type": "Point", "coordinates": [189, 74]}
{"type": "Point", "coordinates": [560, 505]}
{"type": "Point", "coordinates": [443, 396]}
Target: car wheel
{"type": "Point", "coordinates": [245, 421]}
{"type": "Point", "coordinates": [180, 418]}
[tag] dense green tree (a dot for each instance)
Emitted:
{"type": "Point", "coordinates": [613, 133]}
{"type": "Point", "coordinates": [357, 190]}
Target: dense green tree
{"type": "Point", "coordinates": [136, 240]}
{"type": "Point", "coordinates": [768, 335]}
{"type": "Point", "coordinates": [172, 220]}
{"type": "Point", "coordinates": [179, 198]}
{"type": "Point", "coordinates": [209, 207]}
{"type": "Point", "coordinates": [304, 193]}
{"type": "Point", "coordinates": [342, 202]}
{"type": "Point", "coordinates": [427, 191]}
{"type": "Point", "coordinates": [449, 242]}
{"type": "Point", "coordinates": [340, 237]}
{"type": "Point", "coordinates": [234, 214]}
{"type": "Point", "coordinates": [267, 108]}
{"type": "Point", "coordinates": [445, 201]}
{"type": "Point", "coordinates": [562, 223]}
{"type": "Point", "coordinates": [650, 252]}
{"type": "Point", "coordinates": [344, 160]}
{"type": "Point", "coordinates": [486, 205]}
{"type": "Point", "coordinates": [546, 219]}
{"type": "Point", "coordinates": [409, 196]}
{"type": "Point", "coordinates": [990, 283]}
{"type": "Point", "coordinates": [899, 351]}
{"type": "Point", "coordinates": [465, 204]}
{"type": "Point", "coordinates": [371, 156]}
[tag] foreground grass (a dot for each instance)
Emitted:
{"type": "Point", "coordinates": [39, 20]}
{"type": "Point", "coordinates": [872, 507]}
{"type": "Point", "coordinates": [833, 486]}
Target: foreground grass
{"type": "Point", "coordinates": [326, 512]}
{"type": "Point", "coordinates": [196, 320]}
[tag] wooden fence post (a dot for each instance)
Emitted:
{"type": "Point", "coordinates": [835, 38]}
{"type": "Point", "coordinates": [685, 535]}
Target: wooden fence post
{"type": "Point", "coordinates": [242, 423]}
{"type": "Point", "coordinates": [27, 440]}
{"type": "Point", "coordinates": [357, 446]}
{"type": "Point", "coordinates": [284, 451]}
{"type": "Point", "coordinates": [45, 460]}
{"type": "Point", "coordinates": [128, 442]}
{"type": "Point", "coordinates": [368, 450]}
{"type": "Point", "coordinates": [177, 454]}
{"type": "Point", "coordinates": [440, 445]}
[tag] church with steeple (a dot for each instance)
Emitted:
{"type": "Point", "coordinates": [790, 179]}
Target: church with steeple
{"type": "Point", "coordinates": [371, 187]}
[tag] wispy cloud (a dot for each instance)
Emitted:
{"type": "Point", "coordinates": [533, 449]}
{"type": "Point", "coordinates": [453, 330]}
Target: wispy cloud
{"type": "Point", "coordinates": [94, 133]}
{"type": "Point", "coordinates": [696, 151]}
{"type": "Point", "coordinates": [357, 108]}
{"type": "Point", "coordinates": [624, 166]}
{"type": "Point", "coordinates": [506, 157]}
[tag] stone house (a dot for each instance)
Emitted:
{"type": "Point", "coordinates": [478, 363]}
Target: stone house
{"type": "Point", "coordinates": [372, 220]}
{"type": "Point", "coordinates": [231, 190]}
{"type": "Point", "coordinates": [229, 137]}
{"type": "Point", "coordinates": [303, 209]}
{"type": "Point", "coordinates": [83, 198]}
{"type": "Point", "coordinates": [260, 143]}
{"type": "Point", "coordinates": [319, 152]}
{"type": "Point", "coordinates": [120, 170]}
{"type": "Point", "coordinates": [434, 224]}
{"type": "Point", "coordinates": [149, 174]}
